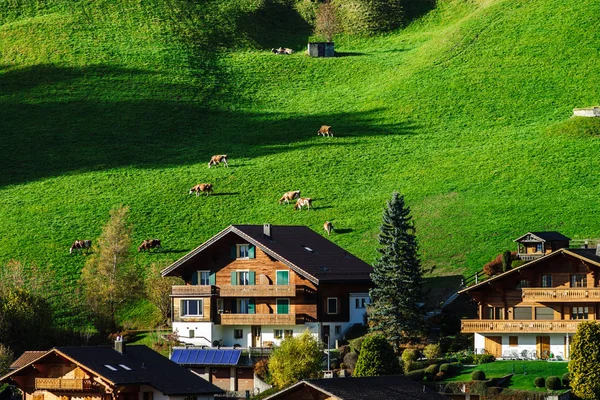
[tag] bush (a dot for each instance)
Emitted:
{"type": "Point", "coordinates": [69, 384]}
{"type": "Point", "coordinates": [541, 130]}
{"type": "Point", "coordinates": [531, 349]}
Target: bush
{"type": "Point", "coordinates": [478, 375]}
{"type": "Point", "coordinates": [539, 382]}
{"type": "Point", "coordinates": [410, 355]}
{"type": "Point", "coordinates": [553, 383]}
{"type": "Point", "coordinates": [432, 369]}
{"type": "Point", "coordinates": [432, 351]}
{"type": "Point", "coordinates": [450, 369]}
{"type": "Point", "coordinates": [376, 358]}
{"type": "Point", "coordinates": [350, 360]}
{"type": "Point", "coordinates": [584, 365]}
{"type": "Point", "coordinates": [445, 368]}
{"type": "Point", "coordinates": [494, 267]}
{"type": "Point", "coordinates": [416, 375]}
{"type": "Point", "coordinates": [483, 358]}
{"type": "Point", "coordinates": [417, 365]}
{"type": "Point", "coordinates": [345, 349]}
{"type": "Point", "coordinates": [261, 369]}
{"type": "Point", "coordinates": [566, 380]}
{"type": "Point", "coordinates": [358, 344]}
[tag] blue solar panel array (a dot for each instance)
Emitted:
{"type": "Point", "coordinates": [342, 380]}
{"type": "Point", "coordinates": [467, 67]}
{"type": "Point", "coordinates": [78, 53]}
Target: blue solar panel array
{"type": "Point", "coordinates": [206, 356]}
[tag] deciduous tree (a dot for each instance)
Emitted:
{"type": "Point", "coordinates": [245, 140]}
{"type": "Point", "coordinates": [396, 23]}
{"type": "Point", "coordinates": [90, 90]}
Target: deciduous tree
{"type": "Point", "coordinates": [584, 363]}
{"type": "Point", "coordinates": [327, 22]}
{"type": "Point", "coordinates": [397, 277]}
{"type": "Point", "coordinates": [376, 358]}
{"type": "Point", "coordinates": [295, 359]}
{"type": "Point", "coordinates": [158, 289]}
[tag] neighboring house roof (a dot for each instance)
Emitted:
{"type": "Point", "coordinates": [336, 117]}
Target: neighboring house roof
{"type": "Point", "coordinates": [26, 358]}
{"type": "Point", "coordinates": [367, 388]}
{"type": "Point", "coordinates": [588, 255]}
{"type": "Point", "coordinates": [300, 248]}
{"type": "Point", "coordinates": [195, 357]}
{"type": "Point", "coordinates": [138, 365]}
{"type": "Point", "coordinates": [549, 236]}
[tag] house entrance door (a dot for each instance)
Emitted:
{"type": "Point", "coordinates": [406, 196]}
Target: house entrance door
{"type": "Point", "coordinates": [493, 345]}
{"type": "Point", "coordinates": [256, 336]}
{"type": "Point", "coordinates": [542, 345]}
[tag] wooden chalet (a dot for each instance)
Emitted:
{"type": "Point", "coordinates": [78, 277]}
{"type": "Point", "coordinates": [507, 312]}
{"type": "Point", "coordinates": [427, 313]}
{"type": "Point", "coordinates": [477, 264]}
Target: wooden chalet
{"type": "Point", "coordinates": [534, 245]}
{"type": "Point", "coordinates": [105, 373]}
{"type": "Point", "coordinates": [253, 285]}
{"type": "Point", "coordinates": [532, 311]}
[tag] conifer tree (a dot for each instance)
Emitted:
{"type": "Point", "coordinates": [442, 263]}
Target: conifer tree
{"type": "Point", "coordinates": [397, 277]}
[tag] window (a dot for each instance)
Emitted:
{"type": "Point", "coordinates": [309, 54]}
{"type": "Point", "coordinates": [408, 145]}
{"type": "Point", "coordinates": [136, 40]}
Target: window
{"type": "Point", "coordinates": [360, 303]}
{"type": "Point", "coordinates": [494, 312]}
{"type": "Point", "coordinates": [238, 333]}
{"type": "Point", "coordinates": [191, 308]}
{"type": "Point", "coordinates": [546, 280]}
{"type": "Point", "coordinates": [513, 341]}
{"type": "Point", "coordinates": [578, 280]}
{"type": "Point", "coordinates": [522, 313]}
{"type": "Point", "coordinates": [278, 333]}
{"type": "Point", "coordinates": [579, 313]}
{"type": "Point", "coordinates": [283, 306]}
{"type": "Point", "coordinates": [544, 313]}
{"type": "Point", "coordinates": [242, 277]}
{"type": "Point", "coordinates": [282, 278]}
{"type": "Point", "coordinates": [204, 277]}
{"type": "Point", "coordinates": [338, 329]}
{"type": "Point", "coordinates": [288, 333]}
{"type": "Point", "coordinates": [220, 306]}
{"type": "Point", "coordinates": [243, 306]}
{"type": "Point", "coordinates": [332, 305]}
{"type": "Point", "coordinates": [523, 284]}
{"type": "Point", "coordinates": [538, 248]}
{"type": "Point", "coordinates": [243, 251]}
{"type": "Point", "coordinates": [191, 333]}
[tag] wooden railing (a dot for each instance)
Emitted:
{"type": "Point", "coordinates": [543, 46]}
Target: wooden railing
{"type": "Point", "coordinates": [63, 384]}
{"type": "Point", "coordinates": [530, 257]}
{"type": "Point", "coordinates": [193, 290]}
{"type": "Point", "coordinates": [511, 326]}
{"type": "Point", "coordinates": [546, 295]}
{"type": "Point", "coordinates": [258, 319]}
{"type": "Point", "coordinates": [257, 290]}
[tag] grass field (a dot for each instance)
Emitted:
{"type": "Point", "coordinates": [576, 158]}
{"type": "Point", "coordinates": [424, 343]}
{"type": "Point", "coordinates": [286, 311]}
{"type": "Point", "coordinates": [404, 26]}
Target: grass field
{"type": "Point", "coordinates": [465, 112]}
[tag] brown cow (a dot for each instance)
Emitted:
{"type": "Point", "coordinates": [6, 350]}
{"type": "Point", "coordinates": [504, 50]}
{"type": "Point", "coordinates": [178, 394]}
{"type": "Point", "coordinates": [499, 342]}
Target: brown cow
{"type": "Point", "coordinates": [328, 226]}
{"type": "Point", "coordinates": [303, 201]}
{"type": "Point", "coordinates": [79, 245]}
{"type": "Point", "coordinates": [282, 50]}
{"type": "Point", "coordinates": [325, 130]}
{"type": "Point", "coordinates": [202, 187]}
{"type": "Point", "coordinates": [219, 158]}
{"type": "Point", "coordinates": [148, 244]}
{"type": "Point", "coordinates": [287, 196]}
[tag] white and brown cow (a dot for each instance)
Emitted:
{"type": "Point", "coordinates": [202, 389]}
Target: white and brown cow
{"type": "Point", "coordinates": [288, 196]}
{"type": "Point", "coordinates": [282, 50]}
{"type": "Point", "coordinates": [216, 160]}
{"type": "Point", "coordinates": [325, 130]}
{"type": "Point", "coordinates": [302, 202]}
{"type": "Point", "coordinates": [148, 244]}
{"type": "Point", "coordinates": [202, 188]}
{"type": "Point", "coordinates": [79, 245]}
{"type": "Point", "coordinates": [328, 226]}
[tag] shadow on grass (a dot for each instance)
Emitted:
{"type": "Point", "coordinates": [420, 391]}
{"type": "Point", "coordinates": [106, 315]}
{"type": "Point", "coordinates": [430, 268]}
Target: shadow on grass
{"type": "Point", "coordinates": [175, 251]}
{"type": "Point", "coordinates": [348, 54]}
{"type": "Point", "coordinates": [226, 194]}
{"type": "Point", "coordinates": [343, 231]}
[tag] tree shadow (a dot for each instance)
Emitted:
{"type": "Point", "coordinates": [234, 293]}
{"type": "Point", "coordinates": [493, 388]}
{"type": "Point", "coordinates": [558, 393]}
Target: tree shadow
{"type": "Point", "coordinates": [175, 251]}
{"type": "Point", "coordinates": [348, 54]}
{"type": "Point", "coordinates": [225, 194]}
{"type": "Point", "coordinates": [417, 8]}
{"type": "Point", "coordinates": [343, 231]}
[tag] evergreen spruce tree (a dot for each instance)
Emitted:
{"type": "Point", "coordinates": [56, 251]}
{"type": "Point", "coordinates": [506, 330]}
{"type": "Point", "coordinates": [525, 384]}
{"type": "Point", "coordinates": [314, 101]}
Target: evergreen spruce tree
{"type": "Point", "coordinates": [397, 277]}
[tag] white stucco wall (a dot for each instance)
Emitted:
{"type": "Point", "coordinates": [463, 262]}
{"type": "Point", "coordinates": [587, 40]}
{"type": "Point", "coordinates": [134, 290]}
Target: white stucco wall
{"type": "Point", "coordinates": [203, 332]}
{"type": "Point", "coordinates": [357, 314]}
{"type": "Point", "coordinates": [526, 342]}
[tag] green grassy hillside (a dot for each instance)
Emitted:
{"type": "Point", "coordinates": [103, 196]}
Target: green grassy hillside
{"type": "Point", "coordinates": [466, 112]}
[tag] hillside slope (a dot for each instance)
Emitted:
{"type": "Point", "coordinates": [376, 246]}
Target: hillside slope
{"type": "Point", "coordinates": [463, 112]}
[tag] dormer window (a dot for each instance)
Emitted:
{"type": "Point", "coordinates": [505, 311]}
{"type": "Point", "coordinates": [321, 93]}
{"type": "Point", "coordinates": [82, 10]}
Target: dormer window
{"type": "Point", "coordinates": [538, 247]}
{"type": "Point", "coordinates": [242, 250]}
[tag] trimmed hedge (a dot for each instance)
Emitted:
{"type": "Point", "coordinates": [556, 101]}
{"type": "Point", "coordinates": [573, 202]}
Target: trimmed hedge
{"type": "Point", "coordinates": [539, 382]}
{"type": "Point", "coordinates": [416, 375]}
{"type": "Point", "coordinates": [483, 358]}
{"type": "Point", "coordinates": [410, 355]}
{"type": "Point", "coordinates": [566, 379]}
{"type": "Point", "coordinates": [553, 383]}
{"type": "Point", "coordinates": [478, 375]}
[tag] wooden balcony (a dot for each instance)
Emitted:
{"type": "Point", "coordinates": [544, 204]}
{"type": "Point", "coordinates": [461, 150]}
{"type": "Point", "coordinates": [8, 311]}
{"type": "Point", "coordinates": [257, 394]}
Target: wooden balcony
{"type": "Point", "coordinates": [257, 290]}
{"type": "Point", "coordinates": [516, 326]}
{"type": "Point", "coordinates": [559, 295]}
{"type": "Point", "coordinates": [193, 290]}
{"type": "Point", "coordinates": [530, 256]}
{"type": "Point", "coordinates": [63, 384]}
{"type": "Point", "coordinates": [258, 319]}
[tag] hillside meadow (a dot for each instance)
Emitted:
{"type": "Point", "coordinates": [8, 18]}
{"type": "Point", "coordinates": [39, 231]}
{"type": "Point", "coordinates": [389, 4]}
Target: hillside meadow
{"type": "Point", "coordinates": [466, 112]}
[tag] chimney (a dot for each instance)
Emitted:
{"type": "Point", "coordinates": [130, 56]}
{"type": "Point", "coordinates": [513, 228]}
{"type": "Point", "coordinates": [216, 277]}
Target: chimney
{"type": "Point", "coordinates": [598, 250]}
{"type": "Point", "coordinates": [120, 345]}
{"type": "Point", "coordinates": [267, 230]}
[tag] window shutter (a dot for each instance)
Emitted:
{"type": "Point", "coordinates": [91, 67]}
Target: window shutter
{"type": "Point", "coordinates": [233, 253]}
{"type": "Point", "coordinates": [251, 306]}
{"type": "Point", "coordinates": [251, 277]}
{"type": "Point", "coordinates": [251, 251]}
{"type": "Point", "coordinates": [233, 278]}
{"type": "Point", "coordinates": [195, 278]}
{"type": "Point", "coordinates": [212, 278]}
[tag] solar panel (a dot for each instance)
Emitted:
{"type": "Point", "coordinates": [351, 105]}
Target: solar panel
{"type": "Point", "coordinates": [206, 356]}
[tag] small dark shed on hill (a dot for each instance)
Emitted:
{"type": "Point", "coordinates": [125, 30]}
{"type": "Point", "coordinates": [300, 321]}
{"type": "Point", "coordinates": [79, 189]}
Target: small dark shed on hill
{"type": "Point", "coordinates": [321, 49]}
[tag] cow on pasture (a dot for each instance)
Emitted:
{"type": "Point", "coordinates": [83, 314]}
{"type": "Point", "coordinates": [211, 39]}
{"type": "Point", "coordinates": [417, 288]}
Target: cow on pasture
{"type": "Point", "coordinates": [325, 130]}
{"type": "Point", "coordinates": [216, 160]}
{"type": "Point", "coordinates": [328, 226]}
{"type": "Point", "coordinates": [303, 201]}
{"type": "Point", "coordinates": [202, 188]}
{"type": "Point", "coordinates": [79, 245]}
{"type": "Point", "coordinates": [148, 244]}
{"type": "Point", "coordinates": [287, 196]}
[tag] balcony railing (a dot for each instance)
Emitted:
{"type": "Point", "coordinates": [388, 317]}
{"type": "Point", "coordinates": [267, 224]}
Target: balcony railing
{"type": "Point", "coordinates": [257, 290]}
{"type": "Point", "coordinates": [530, 257]}
{"type": "Point", "coordinates": [258, 319]}
{"type": "Point", "coordinates": [557, 295]}
{"type": "Point", "coordinates": [515, 326]}
{"type": "Point", "coordinates": [63, 384]}
{"type": "Point", "coordinates": [193, 290]}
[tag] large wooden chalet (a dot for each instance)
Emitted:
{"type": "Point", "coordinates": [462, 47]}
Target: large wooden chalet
{"type": "Point", "coordinates": [533, 310]}
{"type": "Point", "coordinates": [253, 285]}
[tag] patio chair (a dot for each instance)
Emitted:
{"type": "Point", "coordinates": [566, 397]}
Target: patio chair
{"type": "Point", "coordinates": [525, 355]}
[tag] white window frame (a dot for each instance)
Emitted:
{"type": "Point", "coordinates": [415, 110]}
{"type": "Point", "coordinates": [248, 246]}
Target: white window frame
{"type": "Point", "coordinates": [239, 277]}
{"type": "Point", "coordinates": [360, 302]}
{"type": "Point", "coordinates": [238, 251]}
{"type": "Point", "coordinates": [281, 270]}
{"type": "Point", "coordinates": [207, 278]}
{"type": "Point", "coordinates": [183, 311]}
{"type": "Point", "coordinates": [289, 304]}
{"type": "Point", "coordinates": [336, 305]}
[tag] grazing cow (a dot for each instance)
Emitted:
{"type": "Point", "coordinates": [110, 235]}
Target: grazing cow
{"type": "Point", "coordinates": [328, 226]}
{"type": "Point", "coordinates": [79, 245]}
{"type": "Point", "coordinates": [148, 244]}
{"type": "Point", "coordinates": [202, 187]}
{"type": "Point", "coordinates": [219, 158]}
{"type": "Point", "coordinates": [303, 201]}
{"type": "Point", "coordinates": [282, 50]}
{"type": "Point", "coordinates": [289, 196]}
{"type": "Point", "coordinates": [325, 130]}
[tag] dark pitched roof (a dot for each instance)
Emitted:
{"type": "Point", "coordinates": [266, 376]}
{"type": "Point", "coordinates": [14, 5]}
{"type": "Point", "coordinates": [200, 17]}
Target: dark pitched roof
{"type": "Point", "coordinates": [299, 247]}
{"type": "Point", "coordinates": [368, 388]}
{"type": "Point", "coordinates": [548, 236]}
{"type": "Point", "coordinates": [26, 358]}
